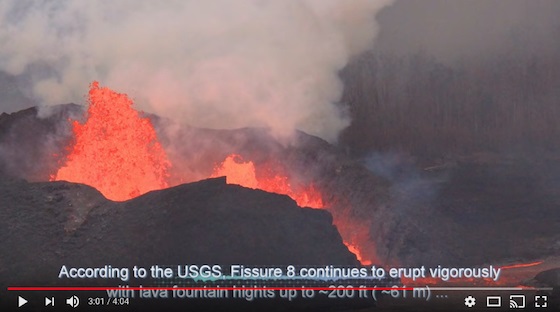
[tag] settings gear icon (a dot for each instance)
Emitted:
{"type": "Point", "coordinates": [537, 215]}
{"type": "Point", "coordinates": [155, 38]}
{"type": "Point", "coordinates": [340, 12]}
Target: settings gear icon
{"type": "Point", "coordinates": [470, 301]}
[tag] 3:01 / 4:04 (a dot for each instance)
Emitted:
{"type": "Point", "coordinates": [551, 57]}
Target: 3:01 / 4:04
{"type": "Point", "coordinates": [98, 301]}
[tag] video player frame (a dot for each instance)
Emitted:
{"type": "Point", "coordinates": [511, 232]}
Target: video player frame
{"type": "Point", "coordinates": [299, 155]}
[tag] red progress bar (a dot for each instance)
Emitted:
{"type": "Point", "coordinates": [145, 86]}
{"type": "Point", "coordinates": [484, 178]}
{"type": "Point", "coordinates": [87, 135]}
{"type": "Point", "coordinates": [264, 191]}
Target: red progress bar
{"type": "Point", "coordinates": [197, 288]}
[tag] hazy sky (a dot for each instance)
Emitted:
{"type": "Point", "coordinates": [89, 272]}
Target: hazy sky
{"type": "Point", "coordinates": [298, 49]}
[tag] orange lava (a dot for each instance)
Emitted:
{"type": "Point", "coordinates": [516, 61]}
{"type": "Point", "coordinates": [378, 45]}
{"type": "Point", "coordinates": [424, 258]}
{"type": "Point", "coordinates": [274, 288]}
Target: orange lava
{"type": "Point", "coordinates": [115, 150]}
{"type": "Point", "coordinates": [244, 173]}
{"type": "Point", "coordinates": [355, 250]}
{"type": "Point", "coordinates": [237, 172]}
{"type": "Point", "coordinates": [520, 265]}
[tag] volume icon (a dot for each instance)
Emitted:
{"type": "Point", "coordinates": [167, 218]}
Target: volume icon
{"type": "Point", "coordinates": [73, 301]}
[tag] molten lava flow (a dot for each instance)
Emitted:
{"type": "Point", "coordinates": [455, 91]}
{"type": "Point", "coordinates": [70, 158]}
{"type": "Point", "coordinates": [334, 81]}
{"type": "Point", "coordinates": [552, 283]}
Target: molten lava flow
{"type": "Point", "coordinates": [520, 265]}
{"type": "Point", "coordinates": [115, 150]}
{"type": "Point", "coordinates": [355, 250]}
{"type": "Point", "coordinates": [305, 197]}
{"type": "Point", "coordinates": [237, 172]}
{"type": "Point", "coordinates": [243, 173]}
{"type": "Point", "coordinates": [355, 234]}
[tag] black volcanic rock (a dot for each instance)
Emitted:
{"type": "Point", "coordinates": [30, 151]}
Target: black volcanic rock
{"type": "Point", "coordinates": [32, 147]}
{"type": "Point", "coordinates": [46, 225]}
{"type": "Point", "coordinates": [550, 278]}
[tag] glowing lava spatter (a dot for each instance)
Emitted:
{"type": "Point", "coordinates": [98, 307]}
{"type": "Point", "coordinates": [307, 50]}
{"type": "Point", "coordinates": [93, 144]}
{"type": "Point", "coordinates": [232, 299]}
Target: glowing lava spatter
{"type": "Point", "coordinates": [237, 172]}
{"type": "Point", "coordinates": [243, 173]}
{"type": "Point", "coordinates": [115, 150]}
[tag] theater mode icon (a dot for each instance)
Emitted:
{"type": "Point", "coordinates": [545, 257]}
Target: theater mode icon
{"type": "Point", "coordinates": [493, 301]}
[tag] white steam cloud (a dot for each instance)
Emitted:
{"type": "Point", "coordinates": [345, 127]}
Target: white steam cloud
{"type": "Point", "coordinates": [212, 63]}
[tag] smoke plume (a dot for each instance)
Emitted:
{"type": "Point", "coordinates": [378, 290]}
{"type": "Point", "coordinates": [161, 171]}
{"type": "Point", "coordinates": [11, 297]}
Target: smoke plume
{"type": "Point", "coordinates": [218, 64]}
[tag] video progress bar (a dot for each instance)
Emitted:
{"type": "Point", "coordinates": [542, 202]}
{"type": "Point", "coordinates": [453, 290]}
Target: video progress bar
{"type": "Point", "coordinates": [202, 288]}
{"type": "Point", "coordinates": [491, 288]}
{"type": "Point", "coordinates": [54, 288]}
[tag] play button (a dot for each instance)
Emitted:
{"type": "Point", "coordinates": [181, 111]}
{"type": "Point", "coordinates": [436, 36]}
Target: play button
{"type": "Point", "coordinates": [21, 301]}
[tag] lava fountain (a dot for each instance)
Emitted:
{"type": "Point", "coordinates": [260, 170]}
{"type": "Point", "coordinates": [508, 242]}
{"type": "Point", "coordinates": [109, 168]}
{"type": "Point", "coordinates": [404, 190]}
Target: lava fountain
{"type": "Point", "coordinates": [115, 150]}
{"type": "Point", "coordinates": [243, 173]}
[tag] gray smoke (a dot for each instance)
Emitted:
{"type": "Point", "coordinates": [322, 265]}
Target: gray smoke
{"type": "Point", "coordinates": [218, 64]}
